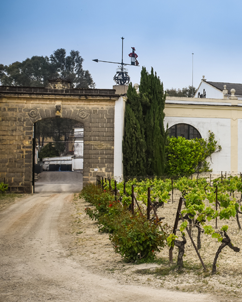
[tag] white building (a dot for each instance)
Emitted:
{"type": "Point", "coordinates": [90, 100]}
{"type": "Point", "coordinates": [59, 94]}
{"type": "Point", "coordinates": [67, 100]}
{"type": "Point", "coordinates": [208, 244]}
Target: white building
{"type": "Point", "coordinates": [217, 90]}
{"type": "Point", "coordinates": [222, 116]}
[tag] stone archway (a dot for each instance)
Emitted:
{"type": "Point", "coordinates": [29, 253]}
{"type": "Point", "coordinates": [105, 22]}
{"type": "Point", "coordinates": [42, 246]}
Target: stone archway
{"type": "Point", "coordinates": [22, 107]}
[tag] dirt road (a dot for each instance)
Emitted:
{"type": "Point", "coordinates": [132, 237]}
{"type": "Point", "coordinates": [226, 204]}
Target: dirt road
{"type": "Point", "coordinates": [59, 182]}
{"type": "Point", "coordinates": [35, 264]}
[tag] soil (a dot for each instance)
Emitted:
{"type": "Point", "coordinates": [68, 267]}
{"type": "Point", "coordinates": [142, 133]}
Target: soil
{"type": "Point", "coordinates": [51, 250]}
{"type": "Point", "coordinates": [7, 199]}
{"type": "Point", "coordinates": [96, 250]}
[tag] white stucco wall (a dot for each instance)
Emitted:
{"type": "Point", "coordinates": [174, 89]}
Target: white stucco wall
{"type": "Point", "coordinates": [239, 145]}
{"type": "Point", "coordinates": [118, 137]}
{"type": "Point", "coordinates": [211, 92]}
{"type": "Point", "coordinates": [221, 128]}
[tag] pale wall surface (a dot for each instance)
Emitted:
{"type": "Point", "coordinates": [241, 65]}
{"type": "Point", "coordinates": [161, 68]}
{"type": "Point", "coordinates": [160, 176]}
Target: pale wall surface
{"type": "Point", "coordinates": [240, 145]}
{"type": "Point", "coordinates": [222, 130]}
{"type": "Point", "coordinates": [223, 117]}
{"type": "Point", "coordinates": [118, 137]}
{"type": "Point", "coordinates": [211, 92]}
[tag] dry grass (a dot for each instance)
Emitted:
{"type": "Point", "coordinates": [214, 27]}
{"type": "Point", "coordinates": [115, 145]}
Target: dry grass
{"type": "Point", "coordinates": [9, 198]}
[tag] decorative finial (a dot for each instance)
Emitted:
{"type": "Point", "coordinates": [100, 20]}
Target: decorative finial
{"type": "Point", "coordinates": [225, 92]}
{"type": "Point", "coordinates": [136, 86]}
{"type": "Point", "coordinates": [233, 97]}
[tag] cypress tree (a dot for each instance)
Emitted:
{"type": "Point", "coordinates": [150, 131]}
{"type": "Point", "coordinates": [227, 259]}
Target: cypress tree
{"type": "Point", "coordinates": [144, 133]}
{"type": "Point", "coordinates": [153, 101]}
{"type": "Point", "coordinates": [134, 146]}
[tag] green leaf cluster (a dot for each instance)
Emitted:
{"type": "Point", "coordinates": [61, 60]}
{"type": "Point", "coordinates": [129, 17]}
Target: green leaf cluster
{"type": "Point", "coordinates": [3, 187]}
{"type": "Point", "coordinates": [185, 157]}
{"type": "Point", "coordinates": [36, 71]}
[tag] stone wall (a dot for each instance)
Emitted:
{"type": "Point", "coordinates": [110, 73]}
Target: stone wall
{"type": "Point", "coordinates": [19, 112]}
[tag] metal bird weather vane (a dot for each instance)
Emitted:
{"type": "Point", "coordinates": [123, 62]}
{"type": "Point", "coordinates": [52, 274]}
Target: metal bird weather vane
{"type": "Point", "coordinates": [121, 77]}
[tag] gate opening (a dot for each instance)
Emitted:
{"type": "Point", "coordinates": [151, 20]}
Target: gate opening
{"type": "Point", "coordinates": [58, 149]}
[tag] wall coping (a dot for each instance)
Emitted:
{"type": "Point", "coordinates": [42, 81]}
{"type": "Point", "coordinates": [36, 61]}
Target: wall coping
{"type": "Point", "coordinates": [48, 91]}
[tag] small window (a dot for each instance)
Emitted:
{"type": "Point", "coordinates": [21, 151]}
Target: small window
{"type": "Point", "coordinates": [184, 130]}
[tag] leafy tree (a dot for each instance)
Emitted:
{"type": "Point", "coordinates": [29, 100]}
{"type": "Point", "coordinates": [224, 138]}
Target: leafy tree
{"type": "Point", "coordinates": [43, 130]}
{"type": "Point", "coordinates": [185, 157]}
{"type": "Point", "coordinates": [48, 151]}
{"type": "Point", "coordinates": [36, 71]}
{"type": "Point", "coordinates": [56, 128]}
{"type": "Point", "coordinates": [184, 92]}
{"type": "Point", "coordinates": [71, 67]}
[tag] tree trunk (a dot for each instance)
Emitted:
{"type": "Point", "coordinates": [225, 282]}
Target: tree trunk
{"type": "Point", "coordinates": [216, 257]}
{"type": "Point", "coordinates": [237, 218]}
{"type": "Point", "coordinates": [181, 251]}
{"type": "Point", "coordinates": [225, 241]}
{"type": "Point", "coordinates": [198, 236]}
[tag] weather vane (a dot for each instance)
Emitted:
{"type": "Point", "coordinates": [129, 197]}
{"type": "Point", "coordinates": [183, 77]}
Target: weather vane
{"type": "Point", "coordinates": [121, 77]}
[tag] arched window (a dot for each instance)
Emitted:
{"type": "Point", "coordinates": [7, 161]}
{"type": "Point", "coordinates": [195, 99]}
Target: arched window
{"type": "Point", "coordinates": [184, 130]}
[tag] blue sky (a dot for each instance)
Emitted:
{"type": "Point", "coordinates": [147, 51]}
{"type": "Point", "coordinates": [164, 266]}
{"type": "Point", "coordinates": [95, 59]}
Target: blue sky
{"type": "Point", "coordinates": [164, 33]}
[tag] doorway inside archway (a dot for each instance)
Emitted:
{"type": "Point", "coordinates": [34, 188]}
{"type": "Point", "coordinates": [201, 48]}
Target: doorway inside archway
{"type": "Point", "coordinates": [58, 155]}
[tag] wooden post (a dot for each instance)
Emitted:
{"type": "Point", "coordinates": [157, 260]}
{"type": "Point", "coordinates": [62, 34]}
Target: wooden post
{"type": "Point", "coordinates": [148, 204]}
{"type": "Point", "coordinates": [110, 187]}
{"type": "Point", "coordinates": [115, 190]}
{"type": "Point", "coordinates": [216, 219]}
{"type": "Point", "coordinates": [124, 188]}
{"type": "Point", "coordinates": [132, 205]}
{"type": "Point", "coordinates": [175, 227]}
{"type": "Point", "coordinates": [171, 190]}
{"type": "Point", "coordinates": [200, 258]}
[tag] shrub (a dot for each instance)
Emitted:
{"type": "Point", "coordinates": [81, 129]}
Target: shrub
{"type": "Point", "coordinates": [137, 238]}
{"type": "Point", "coordinates": [133, 237]}
{"type": "Point", "coordinates": [3, 187]}
{"type": "Point", "coordinates": [115, 212]}
{"type": "Point", "coordinates": [106, 208]}
{"type": "Point", "coordinates": [185, 157]}
{"type": "Point", "coordinates": [89, 193]}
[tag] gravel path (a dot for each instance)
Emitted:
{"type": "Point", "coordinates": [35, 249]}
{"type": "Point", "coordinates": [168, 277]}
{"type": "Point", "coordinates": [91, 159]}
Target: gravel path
{"type": "Point", "coordinates": [36, 265]}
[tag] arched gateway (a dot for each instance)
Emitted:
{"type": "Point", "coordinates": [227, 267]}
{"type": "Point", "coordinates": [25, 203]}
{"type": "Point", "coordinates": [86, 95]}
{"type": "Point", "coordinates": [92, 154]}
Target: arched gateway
{"type": "Point", "coordinates": [21, 107]}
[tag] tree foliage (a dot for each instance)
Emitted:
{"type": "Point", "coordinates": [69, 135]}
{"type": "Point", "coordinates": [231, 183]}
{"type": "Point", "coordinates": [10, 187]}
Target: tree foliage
{"type": "Point", "coordinates": [185, 157]}
{"type": "Point", "coordinates": [184, 92]}
{"type": "Point", "coordinates": [144, 134]}
{"type": "Point", "coordinates": [36, 71]}
{"type": "Point", "coordinates": [134, 145]}
{"type": "Point", "coordinates": [153, 101]}
{"type": "Point", "coordinates": [55, 128]}
{"type": "Point", "coordinates": [48, 151]}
